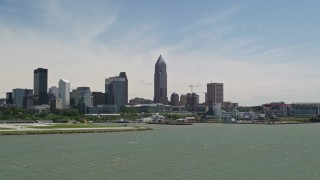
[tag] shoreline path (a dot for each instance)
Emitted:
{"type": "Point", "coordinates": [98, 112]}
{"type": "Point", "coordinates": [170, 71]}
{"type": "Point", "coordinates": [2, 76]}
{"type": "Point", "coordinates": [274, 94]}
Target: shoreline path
{"type": "Point", "coordinates": [28, 127]}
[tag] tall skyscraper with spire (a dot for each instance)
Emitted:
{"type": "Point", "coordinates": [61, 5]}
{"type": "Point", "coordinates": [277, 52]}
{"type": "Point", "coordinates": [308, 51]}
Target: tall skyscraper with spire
{"type": "Point", "coordinates": [160, 82]}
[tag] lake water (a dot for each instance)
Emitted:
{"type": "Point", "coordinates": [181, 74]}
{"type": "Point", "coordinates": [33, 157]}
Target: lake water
{"type": "Point", "coordinates": [200, 151]}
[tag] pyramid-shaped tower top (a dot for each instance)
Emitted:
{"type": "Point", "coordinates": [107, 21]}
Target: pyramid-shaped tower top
{"type": "Point", "coordinates": [160, 59]}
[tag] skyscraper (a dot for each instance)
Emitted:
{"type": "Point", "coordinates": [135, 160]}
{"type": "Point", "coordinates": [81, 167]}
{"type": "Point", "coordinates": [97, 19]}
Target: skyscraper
{"type": "Point", "coordinates": [115, 88]}
{"type": "Point", "coordinates": [192, 101]}
{"type": "Point", "coordinates": [124, 75]}
{"type": "Point", "coordinates": [81, 99]}
{"type": "Point", "coordinates": [64, 92]}
{"type": "Point", "coordinates": [20, 97]}
{"type": "Point", "coordinates": [214, 93]}
{"type": "Point", "coordinates": [174, 99]}
{"type": "Point", "coordinates": [40, 86]}
{"type": "Point", "coordinates": [9, 98]}
{"type": "Point", "coordinates": [160, 82]}
{"type": "Point", "coordinates": [99, 98]}
{"type": "Point", "coordinates": [53, 93]}
{"type": "Point", "coordinates": [183, 100]}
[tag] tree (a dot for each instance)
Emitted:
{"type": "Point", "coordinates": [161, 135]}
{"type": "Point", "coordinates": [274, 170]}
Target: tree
{"type": "Point", "coordinates": [129, 113]}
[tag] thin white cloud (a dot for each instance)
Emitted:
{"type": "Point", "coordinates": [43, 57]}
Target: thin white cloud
{"type": "Point", "coordinates": [68, 18]}
{"type": "Point", "coordinates": [209, 19]}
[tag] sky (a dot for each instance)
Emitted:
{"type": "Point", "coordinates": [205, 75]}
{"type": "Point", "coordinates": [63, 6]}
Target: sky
{"type": "Point", "coordinates": [262, 50]}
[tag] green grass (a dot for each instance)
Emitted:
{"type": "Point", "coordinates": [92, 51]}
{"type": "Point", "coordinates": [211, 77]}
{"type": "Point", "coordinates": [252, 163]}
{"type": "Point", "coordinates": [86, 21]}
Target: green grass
{"type": "Point", "coordinates": [4, 128]}
{"type": "Point", "coordinates": [295, 119]}
{"type": "Point", "coordinates": [56, 126]}
{"type": "Point", "coordinates": [53, 131]}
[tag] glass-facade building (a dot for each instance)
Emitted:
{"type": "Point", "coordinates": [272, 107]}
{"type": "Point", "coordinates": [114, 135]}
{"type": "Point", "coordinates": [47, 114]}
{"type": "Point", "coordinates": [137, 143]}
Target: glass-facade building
{"type": "Point", "coordinates": [40, 86]}
{"type": "Point", "coordinates": [115, 89]}
{"type": "Point", "coordinates": [81, 99]}
{"type": "Point", "coordinates": [64, 92]}
{"type": "Point", "coordinates": [124, 75]}
{"type": "Point", "coordinates": [20, 97]}
{"type": "Point", "coordinates": [9, 98]}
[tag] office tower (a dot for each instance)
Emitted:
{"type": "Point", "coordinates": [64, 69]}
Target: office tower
{"type": "Point", "coordinates": [183, 100]}
{"type": "Point", "coordinates": [160, 82]}
{"type": "Point", "coordinates": [40, 86]}
{"type": "Point", "coordinates": [3, 102]}
{"type": "Point", "coordinates": [206, 98]}
{"type": "Point", "coordinates": [214, 93]}
{"type": "Point", "coordinates": [55, 104]}
{"type": "Point", "coordinates": [21, 96]}
{"type": "Point", "coordinates": [9, 98]}
{"type": "Point", "coordinates": [174, 99]}
{"type": "Point", "coordinates": [18, 97]}
{"type": "Point", "coordinates": [29, 102]}
{"type": "Point", "coordinates": [64, 92]}
{"type": "Point", "coordinates": [81, 99]}
{"type": "Point", "coordinates": [74, 98]}
{"type": "Point", "coordinates": [99, 98]}
{"type": "Point", "coordinates": [53, 91]}
{"type": "Point", "coordinates": [115, 88]}
{"type": "Point", "coordinates": [192, 101]}
{"type": "Point", "coordinates": [123, 75]}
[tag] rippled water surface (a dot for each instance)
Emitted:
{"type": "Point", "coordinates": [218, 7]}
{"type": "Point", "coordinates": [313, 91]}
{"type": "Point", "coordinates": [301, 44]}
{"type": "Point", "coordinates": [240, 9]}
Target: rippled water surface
{"type": "Point", "coordinates": [200, 151]}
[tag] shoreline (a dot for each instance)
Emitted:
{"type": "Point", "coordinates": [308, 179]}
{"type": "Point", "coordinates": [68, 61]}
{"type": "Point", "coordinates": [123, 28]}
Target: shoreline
{"type": "Point", "coordinates": [275, 123]}
{"type": "Point", "coordinates": [82, 131]}
{"type": "Point", "coordinates": [26, 129]}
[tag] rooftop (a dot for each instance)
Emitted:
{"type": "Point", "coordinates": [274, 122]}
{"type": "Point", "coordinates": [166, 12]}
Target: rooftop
{"type": "Point", "coordinates": [160, 59]}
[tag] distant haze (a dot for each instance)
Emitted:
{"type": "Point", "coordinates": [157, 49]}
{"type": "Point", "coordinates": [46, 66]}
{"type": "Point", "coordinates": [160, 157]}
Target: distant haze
{"type": "Point", "coordinates": [262, 51]}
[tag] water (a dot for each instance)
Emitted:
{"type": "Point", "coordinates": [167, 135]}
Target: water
{"type": "Point", "coordinates": [200, 151]}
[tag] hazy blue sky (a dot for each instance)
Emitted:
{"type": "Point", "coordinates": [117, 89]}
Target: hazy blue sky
{"type": "Point", "coordinates": [262, 50]}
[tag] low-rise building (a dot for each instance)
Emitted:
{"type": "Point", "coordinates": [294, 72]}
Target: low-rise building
{"type": "Point", "coordinates": [150, 108]}
{"type": "Point", "coordinates": [276, 109]}
{"type": "Point", "coordinates": [229, 106]}
{"type": "Point", "coordinates": [138, 100]}
{"type": "Point", "coordinates": [103, 109]}
{"type": "Point", "coordinates": [305, 109]}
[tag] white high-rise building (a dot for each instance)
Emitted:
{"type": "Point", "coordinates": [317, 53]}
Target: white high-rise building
{"type": "Point", "coordinates": [64, 92]}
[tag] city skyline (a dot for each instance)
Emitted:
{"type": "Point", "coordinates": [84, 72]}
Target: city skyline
{"type": "Point", "coordinates": [259, 50]}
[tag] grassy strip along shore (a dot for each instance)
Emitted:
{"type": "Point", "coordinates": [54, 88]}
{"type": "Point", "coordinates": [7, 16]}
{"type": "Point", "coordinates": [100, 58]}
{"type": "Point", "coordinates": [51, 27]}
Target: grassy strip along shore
{"type": "Point", "coordinates": [80, 125]}
{"type": "Point", "coordinates": [69, 129]}
{"type": "Point", "coordinates": [31, 132]}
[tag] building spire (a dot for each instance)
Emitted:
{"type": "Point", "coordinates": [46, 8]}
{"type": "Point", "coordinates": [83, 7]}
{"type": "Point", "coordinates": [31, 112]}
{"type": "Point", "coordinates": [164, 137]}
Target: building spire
{"type": "Point", "coordinates": [160, 59]}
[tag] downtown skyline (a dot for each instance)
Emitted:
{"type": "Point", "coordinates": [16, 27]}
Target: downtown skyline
{"type": "Point", "coordinates": [261, 51]}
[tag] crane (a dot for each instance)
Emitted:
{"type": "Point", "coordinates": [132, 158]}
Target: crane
{"type": "Point", "coordinates": [192, 86]}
